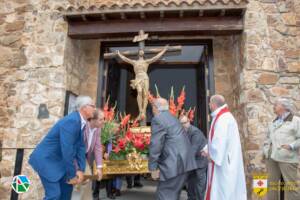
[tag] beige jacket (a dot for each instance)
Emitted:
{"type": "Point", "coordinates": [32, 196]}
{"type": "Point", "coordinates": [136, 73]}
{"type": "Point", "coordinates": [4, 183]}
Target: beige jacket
{"type": "Point", "coordinates": [286, 133]}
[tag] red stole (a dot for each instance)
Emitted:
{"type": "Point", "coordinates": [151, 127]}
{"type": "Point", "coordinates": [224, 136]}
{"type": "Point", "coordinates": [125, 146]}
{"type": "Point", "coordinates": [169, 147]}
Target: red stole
{"type": "Point", "coordinates": [212, 132]}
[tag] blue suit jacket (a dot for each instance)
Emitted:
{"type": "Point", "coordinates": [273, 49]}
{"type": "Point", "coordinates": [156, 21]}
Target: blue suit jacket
{"type": "Point", "coordinates": [54, 157]}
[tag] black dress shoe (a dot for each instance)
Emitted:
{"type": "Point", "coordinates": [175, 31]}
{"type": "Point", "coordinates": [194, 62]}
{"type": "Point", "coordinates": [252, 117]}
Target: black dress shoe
{"type": "Point", "coordinates": [96, 196]}
{"type": "Point", "coordinates": [111, 196]}
{"type": "Point", "coordinates": [138, 185]}
{"type": "Point", "coordinates": [129, 186]}
{"type": "Point", "coordinates": [118, 193]}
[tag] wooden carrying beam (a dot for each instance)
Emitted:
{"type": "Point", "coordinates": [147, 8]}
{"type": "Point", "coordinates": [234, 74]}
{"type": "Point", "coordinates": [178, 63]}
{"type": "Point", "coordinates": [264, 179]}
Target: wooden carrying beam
{"type": "Point", "coordinates": [194, 25]}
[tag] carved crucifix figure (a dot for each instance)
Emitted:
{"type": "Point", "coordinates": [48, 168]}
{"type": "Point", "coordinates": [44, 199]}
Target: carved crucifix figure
{"type": "Point", "coordinates": [140, 67]}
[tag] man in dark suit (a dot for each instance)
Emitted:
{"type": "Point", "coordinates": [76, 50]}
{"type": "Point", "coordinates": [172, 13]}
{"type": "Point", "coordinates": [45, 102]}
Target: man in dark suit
{"type": "Point", "coordinates": [55, 156]}
{"type": "Point", "coordinates": [196, 183]}
{"type": "Point", "coordinates": [170, 152]}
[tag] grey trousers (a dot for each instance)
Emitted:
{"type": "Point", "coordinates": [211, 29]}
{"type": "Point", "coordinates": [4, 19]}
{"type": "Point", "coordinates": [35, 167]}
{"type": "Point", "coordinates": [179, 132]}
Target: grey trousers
{"type": "Point", "coordinates": [289, 172]}
{"type": "Point", "coordinates": [196, 184]}
{"type": "Point", "coordinates": [171, 188]}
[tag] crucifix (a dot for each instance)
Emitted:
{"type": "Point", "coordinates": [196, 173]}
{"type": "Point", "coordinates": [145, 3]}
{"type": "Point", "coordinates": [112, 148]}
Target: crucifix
{"type": "Point", "coordinates": [140, 68]}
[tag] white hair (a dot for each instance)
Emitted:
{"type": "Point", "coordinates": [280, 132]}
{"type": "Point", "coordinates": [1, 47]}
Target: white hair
{"type": "Point", "coordinates": [160, 105]}
{"type": "Point", "coordinates": [286, 103]}
{"type": "Point", "coordinates": [82, 101]}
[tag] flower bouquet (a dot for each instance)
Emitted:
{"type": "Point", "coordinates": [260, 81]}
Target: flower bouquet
{"type": "Point", "coordinates": [110, 124]}
{"type": "Point", "coordinates": [128, 141]}
{"type": "Point", "coordinates": [176, 109]}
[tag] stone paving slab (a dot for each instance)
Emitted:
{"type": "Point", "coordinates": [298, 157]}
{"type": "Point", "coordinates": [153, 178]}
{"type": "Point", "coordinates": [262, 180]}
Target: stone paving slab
{"type": "Point", "coordinates": [145, 193]}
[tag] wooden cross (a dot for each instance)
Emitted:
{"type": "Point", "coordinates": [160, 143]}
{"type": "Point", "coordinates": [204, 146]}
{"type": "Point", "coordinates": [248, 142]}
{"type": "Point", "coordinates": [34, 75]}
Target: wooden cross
{"type": "Point", "coordinates": [141, 38]}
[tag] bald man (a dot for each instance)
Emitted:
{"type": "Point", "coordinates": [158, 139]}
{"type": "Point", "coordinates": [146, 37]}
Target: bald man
{"type": "Point", "coordinates": [170, 152]}
{"type": "Point", "coordinates": [226, 178]}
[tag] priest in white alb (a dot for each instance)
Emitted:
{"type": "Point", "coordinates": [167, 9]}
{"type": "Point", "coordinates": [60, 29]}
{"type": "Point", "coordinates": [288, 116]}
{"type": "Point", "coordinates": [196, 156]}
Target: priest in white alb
{"type": "Point", "coordinates": [226, 177]}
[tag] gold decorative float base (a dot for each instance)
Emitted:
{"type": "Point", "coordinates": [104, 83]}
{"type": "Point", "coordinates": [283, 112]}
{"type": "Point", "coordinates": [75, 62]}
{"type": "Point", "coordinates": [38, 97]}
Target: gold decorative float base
{"type": "Point", "coordinates": [114, 167]}
{"type": "Point", "coordinates": [134, 164]}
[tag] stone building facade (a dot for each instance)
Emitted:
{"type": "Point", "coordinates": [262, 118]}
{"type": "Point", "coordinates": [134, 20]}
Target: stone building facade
{"type": "Point", "coordinates": [39, 63]}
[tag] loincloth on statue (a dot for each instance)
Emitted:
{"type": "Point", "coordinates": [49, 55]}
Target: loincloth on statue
{"type": "Point", "coordinates": [135, 83]}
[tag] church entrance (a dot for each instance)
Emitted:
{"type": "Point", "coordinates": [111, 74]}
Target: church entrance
{"type": "Point", "coordinates": [191, 68]}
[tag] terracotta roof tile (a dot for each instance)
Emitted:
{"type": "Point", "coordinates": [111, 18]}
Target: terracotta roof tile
{"type": "Point", "coordinates": [130, 4]}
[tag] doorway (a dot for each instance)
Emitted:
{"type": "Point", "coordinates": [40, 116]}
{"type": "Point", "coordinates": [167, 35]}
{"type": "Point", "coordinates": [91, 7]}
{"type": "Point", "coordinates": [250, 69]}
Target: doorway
{"type": "Point", "coordinates": [191, 68]}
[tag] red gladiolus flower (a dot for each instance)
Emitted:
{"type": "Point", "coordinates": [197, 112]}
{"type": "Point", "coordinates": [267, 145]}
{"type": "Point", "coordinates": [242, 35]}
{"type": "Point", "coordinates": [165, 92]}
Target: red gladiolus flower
{"type": "Point", "coordinates": [138, 136]}
{"type": "Point", "coordinates": [147, 139]}
{"type": "Point", "coordinates": [181, 99]}
{"type": "Point", "coordinates": [135, 123]}
{"type": "Point", "coordinates": [116, 149]}
{"type": "Point", "coordinates": [191, 114]}
{"type": "Point", "coordinates": [109, 115]}
{"type": "Point", "coordinates": [122, 143]}
{"type": "Point", "coordinates": [125, 121]}
{"type": "Point", "coordinates": [172, 107]}
{"type": "Point", "coordinates": [105, 108]}
{"type": "Point", "coordinates": [129, 136]}
{"type": "Point", "coordinates": [138, 143]}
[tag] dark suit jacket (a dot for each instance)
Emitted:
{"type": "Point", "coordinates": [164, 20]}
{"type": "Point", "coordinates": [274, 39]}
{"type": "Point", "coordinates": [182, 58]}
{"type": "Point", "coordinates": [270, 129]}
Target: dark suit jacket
{"type": "Point", "coordinates": [54, 156]}
{"type": "Point", "coordinates": [170, 149]}
{"type": "Point", "coordinates": [198, 142]}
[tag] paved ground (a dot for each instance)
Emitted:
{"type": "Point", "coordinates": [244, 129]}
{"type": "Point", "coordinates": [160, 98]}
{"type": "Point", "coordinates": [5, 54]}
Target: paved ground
{"type": "Point", "coordinates": [145, 193]}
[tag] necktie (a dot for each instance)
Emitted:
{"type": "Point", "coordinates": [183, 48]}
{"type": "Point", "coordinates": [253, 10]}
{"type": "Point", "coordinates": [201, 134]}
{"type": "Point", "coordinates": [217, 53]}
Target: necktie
{"type": "Point", "coordinates": [83, 134]}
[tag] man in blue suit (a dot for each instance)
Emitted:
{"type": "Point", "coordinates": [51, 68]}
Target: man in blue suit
{"type": "Point", "coordinates": [55, 157]}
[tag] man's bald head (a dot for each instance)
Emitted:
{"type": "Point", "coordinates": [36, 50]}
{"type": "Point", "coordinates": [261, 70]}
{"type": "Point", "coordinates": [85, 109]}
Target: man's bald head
{"type": "Point", "coordinates": [216, 101]}
{"type": "Point", "coordinates": [160, 104]}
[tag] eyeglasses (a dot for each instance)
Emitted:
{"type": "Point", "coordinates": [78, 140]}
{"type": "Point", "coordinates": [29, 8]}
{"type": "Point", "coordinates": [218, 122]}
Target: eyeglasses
{"type": "Point", "coordinates": [184, 122]}
{"type": "Point", "coordinates": [92, 105]}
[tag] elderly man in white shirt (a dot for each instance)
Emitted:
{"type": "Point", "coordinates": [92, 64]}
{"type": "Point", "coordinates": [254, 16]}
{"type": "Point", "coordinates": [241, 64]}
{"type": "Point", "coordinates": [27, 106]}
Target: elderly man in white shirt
{"type": "Point", "coordinates": [281, 150]}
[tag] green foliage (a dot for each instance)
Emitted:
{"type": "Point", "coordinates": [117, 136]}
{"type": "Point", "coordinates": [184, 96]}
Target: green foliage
{"type": "Point", "coordinates": [107, 132]}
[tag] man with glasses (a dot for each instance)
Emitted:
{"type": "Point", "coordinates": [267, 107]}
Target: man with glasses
{"type": "Point", "coordinates": [53, 158]}
{"type": "Point", "coordinates": [93, 153]}
{"type": "Point", "coordinates": [196, 182]}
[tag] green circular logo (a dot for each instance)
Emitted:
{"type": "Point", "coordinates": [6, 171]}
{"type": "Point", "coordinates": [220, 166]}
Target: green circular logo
{"type": "Point", "coordinates": [20, 184]}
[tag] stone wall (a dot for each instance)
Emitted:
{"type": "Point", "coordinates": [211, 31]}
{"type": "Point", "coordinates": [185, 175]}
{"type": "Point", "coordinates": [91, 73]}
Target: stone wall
{"type": "Point", "coordinates": [226, 68]}
{"type": "Point", "coordinates": [34, 70]}
{"type": "Point", "coordinates": [38, 63]}
{"type": "Point", "coordinates": [271, 69]}
{"type": "Point", "coordinates": [31, 73]}
{"type": "Point", "coordinates": [82, 63]}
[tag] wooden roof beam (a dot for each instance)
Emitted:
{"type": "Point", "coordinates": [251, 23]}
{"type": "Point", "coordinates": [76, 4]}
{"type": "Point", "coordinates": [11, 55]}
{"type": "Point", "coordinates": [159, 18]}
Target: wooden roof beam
{"type": "Point", "coordinates": [181, 14]}
{"type": "Point", "coordinates": [189, 25]}
{"type": "Point", "coordinates": [83, 17]}
{"type": "Point", "coordinates": [103, 16]}
{"type": "Point", "coordinates": [142, 15]}
{"type": "Point", "coordinates": [201, 13]}
{"type": "Point", "coordinates": [123, 16]}
{"type": "Point", "coordinates": [161, 14]}
{"type": "Point", "coordinates": [223, 12]}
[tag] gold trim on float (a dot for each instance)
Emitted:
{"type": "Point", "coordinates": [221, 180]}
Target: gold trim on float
{"type": "Point", "coordinates": [141, 129]}
{"type": "Point", "coordinates": [112, 168]}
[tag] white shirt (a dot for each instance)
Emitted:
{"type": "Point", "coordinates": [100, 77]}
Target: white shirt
{"type": "Point", "coordinates": [90, 135]}
{"type": "Point", "coordinates": [82, 120]}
